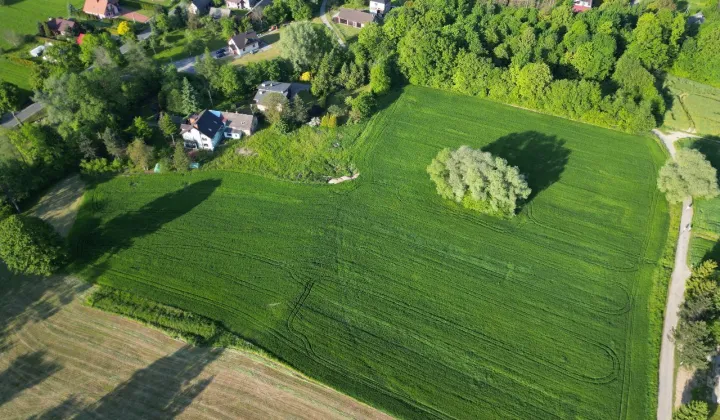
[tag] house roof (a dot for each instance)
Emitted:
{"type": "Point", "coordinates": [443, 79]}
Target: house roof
{"type": "Point", "coordinates": [381, 1]}
{"type": "Point", "coordinates": [287, 89]}
{"type": "Point", "coordinates": [218, 12]}
{"type": "Point", "coordinates": [207, 122]}
{"type": "Point", "coordinates": [80, 38]}
{"type": "Point", "coordinates": [238, 121]}
{"type": "Point", "coordinates": [97, 7]}
{"type": "Point", "coordinates": [358, 16]}
{"type": "Point", "coordinates": [60, 25]}
{"type": "Point", "coordinates": [201, 4]}
{"type": "Point", "coordinates": [245, 38]}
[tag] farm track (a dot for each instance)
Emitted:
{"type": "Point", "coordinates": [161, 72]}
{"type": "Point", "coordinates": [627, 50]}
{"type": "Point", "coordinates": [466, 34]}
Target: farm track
{"type": "Point", "coordinates": [413, 304]}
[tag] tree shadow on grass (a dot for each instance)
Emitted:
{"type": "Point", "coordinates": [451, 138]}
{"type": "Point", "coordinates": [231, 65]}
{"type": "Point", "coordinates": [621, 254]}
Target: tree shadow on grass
{"type": "Point", "coordinates": [541, 158]}
{"type": "Point", "coordinates": [24, 373]}
{"type": "Point", "coordinates": [93, 243]}
{"type": "Point", "coordinates": [162, 390]}
{"type": "Point", "coordinates": [710, 147]}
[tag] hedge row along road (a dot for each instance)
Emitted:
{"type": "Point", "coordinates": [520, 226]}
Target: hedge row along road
{"type": "Point", "coordinates": [386, 292]}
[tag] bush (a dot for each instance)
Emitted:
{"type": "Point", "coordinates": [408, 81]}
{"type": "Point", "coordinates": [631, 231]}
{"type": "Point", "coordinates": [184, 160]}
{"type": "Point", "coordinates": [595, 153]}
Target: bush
{"type": "Point", "coordinates": [694, 410]}
{"type": "Point", "coordinates": [100, 166]}
{"type": "Point", "coordinates": [478, 180]}
{"type": "Point", "coordinates": [29, 245]}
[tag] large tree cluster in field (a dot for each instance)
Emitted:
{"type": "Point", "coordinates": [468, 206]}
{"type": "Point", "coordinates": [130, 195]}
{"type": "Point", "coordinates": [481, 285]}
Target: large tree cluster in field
{"type": "Point", "coordinates": [29, 245]}
{"type": "Point", "coordinates": [600, 66]}
{"type": "Point", "coordinates": [478, 180]}
{"type": "Point", "coordinates": [689, 175]}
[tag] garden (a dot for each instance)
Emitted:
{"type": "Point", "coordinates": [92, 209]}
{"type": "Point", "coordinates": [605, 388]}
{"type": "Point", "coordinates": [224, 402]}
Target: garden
{"type": "Point", "coordinates": [389, 293]}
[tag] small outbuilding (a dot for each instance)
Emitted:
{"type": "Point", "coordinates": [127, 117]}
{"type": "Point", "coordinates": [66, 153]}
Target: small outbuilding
{"type": "Point", "coordinates": [380, 7]}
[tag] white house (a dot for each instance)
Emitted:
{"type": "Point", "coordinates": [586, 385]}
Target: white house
{"type": "Point", "coordinates": [240, 4]}
{"type": "Point", "coordinates": [38, 51]}
{"type": "Point", "coordinates": [380, 7]}
{"type": "Point", "coordinates": [244, 43]}
{"type": "Point", "coordinates": [209, 128]}
{"type": "Point", "coordinates": [582, 5]}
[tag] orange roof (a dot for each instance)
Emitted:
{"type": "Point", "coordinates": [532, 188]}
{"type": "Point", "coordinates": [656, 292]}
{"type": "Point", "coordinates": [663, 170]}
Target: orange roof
{"type": "Point", "coordinates": [80, 39]}
{"type": "Point", "coordinates": [97, 7]}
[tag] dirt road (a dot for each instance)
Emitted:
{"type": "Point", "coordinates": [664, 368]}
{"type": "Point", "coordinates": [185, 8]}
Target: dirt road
{"type": "Point", "coordinates": [680, 274]}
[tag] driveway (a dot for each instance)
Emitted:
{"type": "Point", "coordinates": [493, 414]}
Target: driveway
{"type": "Point", "coordinates": [323, 8]}
{"type": "Point", "coordinates": [676, 293]}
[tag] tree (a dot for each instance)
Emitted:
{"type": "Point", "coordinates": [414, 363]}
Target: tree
{"type": "Point", "coordinates": [478, 180]}
{"type": "Point", "coordinates": [29, 245]}
{"type": "Point", "coordinates": [141, 128]}
{"type": "Point", "coordinates": [71, 10]}
{"type": "Point", "coordinates": [9, 98]}
{"type": "Point", "coordinates": [693, 343]}
{"type": "Point", "coordinates": [275, 103]}
{"type": "Point", "coordinates": [227, 80]}
{"type": "Point", "coordinates": [324, 81]}
{"type": "Point", "coordinates": [351, 76]}
{"type": "Point", "coordinates": [689, 175]}
{"type": "Point", "coordinates": [114, 145]}
{"type": "Point", "coordinates": [167, 126]}
{"type": "Point", "coordinates": [304, 44]}
{"type": "Point", "coordinates": [181, 161]}
{"type": "Point", "coordinates": [361, 107]}
{"type": "Point", "coordinates": [140, 154]}
{"type": "Point", "coordinates": [189, 98]}
{"type": "Point", "coordinates": [532, 80]}
{"type": "Point", "coordinates": [125, 30]}
{"type": "Point", "coordinates": [648, 44]}
{"type": "Point", "coordinates": [380, 80]}
{"type": "Point", "coordinates": [45, 30]}
{"type": "Point", "coordinates": [228, 27]}
{"type": "Point", "coordinates": [694, 410]}
{"type": "Point", "coordinates": [298, 111]}
{"type": "Point", "coordinates": [92, 43]}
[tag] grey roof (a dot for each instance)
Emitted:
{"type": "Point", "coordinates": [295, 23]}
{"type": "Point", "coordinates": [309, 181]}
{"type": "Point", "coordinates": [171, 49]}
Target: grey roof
{"type": "Point", "coordinates": [218, 12]}
{"type": "Point", "coordinates": [245, 38]}
{"type": "Point", "coordinates": [201, 4]}
{"type": "Point", "coordinates": [287, 89]}
{"type": "Point", "coordinates": [358, 16]}
{"type": "Point", "coordinates": [238, 121]}
{"type": "Point", "coordinates": [209, 123]}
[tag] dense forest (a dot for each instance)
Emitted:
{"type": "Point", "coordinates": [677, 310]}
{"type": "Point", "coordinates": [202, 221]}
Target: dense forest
{"type": "Point", "coordinates": [604, 66]}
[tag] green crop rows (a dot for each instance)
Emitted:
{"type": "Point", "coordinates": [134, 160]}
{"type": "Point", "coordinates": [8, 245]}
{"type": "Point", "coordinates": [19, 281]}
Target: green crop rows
{"type": "Point", "coordinates": [419, 307]}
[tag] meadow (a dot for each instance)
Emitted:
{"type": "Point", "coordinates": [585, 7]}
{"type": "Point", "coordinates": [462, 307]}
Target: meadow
{"type": "Point", "coordinates": [386, 292]}
{"type": "Point", "coordinates": [23, 15]}
{"type": "Point", "coordinates": [695, 106]}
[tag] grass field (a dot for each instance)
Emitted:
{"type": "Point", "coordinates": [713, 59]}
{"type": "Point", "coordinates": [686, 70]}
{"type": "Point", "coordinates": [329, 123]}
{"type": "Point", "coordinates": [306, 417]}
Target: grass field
{"type": "Point", "coordinates": [696, 107]}
{"type": "Point", "coordinates": [386, 292]}
{"type": "Point", "coordinates": [705, 240]}
{"type": "Point", "coordinates": [23, 15]}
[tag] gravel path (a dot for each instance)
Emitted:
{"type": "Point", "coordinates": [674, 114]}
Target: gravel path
{"type": "Point", "coordinates": [680, 274]}
{"type": "Point", "coordinates": [323, 8]}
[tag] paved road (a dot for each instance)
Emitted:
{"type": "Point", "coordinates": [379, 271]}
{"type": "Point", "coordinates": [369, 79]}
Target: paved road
{"type": "Point", "coordinates": [676, 293]}
{"type": "Point", "coordinates": [323, 7]}
{"type": "Point", "coordinates": [8, 121]}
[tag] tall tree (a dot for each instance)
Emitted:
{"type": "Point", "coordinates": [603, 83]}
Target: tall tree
{"type": "Point", "coordinates": [181, 161]}
{"type": "Point", "coordinates": [114, 145]}
{"type": "Point", "coordinates": [29, 245]}
{"type": "Point", "coordinates": [9, 98]}
{"type": "Point", "coordinates": [167, 126]}
{"type": "Point", "coordinates": [140, 154]}
{"type": "Point", "coordinates": [304, 44]}
{"type": "Point", "coordinates": [189, 99]}
{"type": "Point", "coordinates": [689, 175]}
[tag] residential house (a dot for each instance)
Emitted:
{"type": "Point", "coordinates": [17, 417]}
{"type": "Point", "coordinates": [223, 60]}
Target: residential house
{"type": "Point", "coordinates": [289, 90]}
{"type": "Point", "coordinates": [244, 43]}
{"type": "Point", "coordinates": [59, 26]}
{"type": "Point", "coordinates": [354, 18]}
{"type": "Point", "coordinates": [207, 129]}
{"type": "Point", "coordinates": [380, 7]}
{"type": "Point", "coordinates": [238, 124]}
{"type": "Point", "coordinates": [102, 8]}
{"type": "Point", "coordinates": [581, 5]}
{"type": "Point", "coordinates": [199, 7]}
{"type": "Point", "coordinates": [240, 4]}
{"type": "Point", "coordinates": [219, 12]}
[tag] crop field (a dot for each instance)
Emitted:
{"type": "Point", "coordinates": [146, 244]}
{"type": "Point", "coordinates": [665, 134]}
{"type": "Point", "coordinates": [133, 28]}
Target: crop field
{"type": "Point", "coordinates": [705, 239]}
{"type": "Point", "coordinates": [386, 292]}
{"type": "Point", "coordinates": [695, 106]}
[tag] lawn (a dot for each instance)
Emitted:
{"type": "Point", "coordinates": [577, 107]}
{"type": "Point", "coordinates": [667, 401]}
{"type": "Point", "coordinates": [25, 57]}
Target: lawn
{"type": "Point", "coordinates": [695, 106]}
{"type": "Point", "coordinates": [274, 51]}
{"type": "Point", "coordinates": [176, 48]}
{"type": "Point", "coordinates": [386, 292]}
{"type": "Point", "coordinates": [705, 239]}
{"type": "Point", "coordinates": [23, 15]}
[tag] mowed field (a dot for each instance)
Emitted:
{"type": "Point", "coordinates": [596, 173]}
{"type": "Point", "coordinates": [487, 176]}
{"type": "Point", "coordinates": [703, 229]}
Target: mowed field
{"type": "Point", "coordinates": [381, 289]}
{"type": "Point", "coordinates": [23, 15]}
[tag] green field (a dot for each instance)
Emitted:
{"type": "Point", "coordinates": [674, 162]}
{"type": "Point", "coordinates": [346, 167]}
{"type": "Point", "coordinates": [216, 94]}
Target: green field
{"type": "Point", "coordinates": [381, 289]}
{"type": "Point", "coordinates": [695, 107]}
{"type": "Point", "coordinates": [705, 239]}
{"type": "Point", "coordinates": [23, 15]}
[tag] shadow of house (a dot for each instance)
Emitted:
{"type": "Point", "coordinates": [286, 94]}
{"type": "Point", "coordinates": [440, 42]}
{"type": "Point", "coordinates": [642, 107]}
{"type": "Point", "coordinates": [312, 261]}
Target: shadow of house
{"type": "Point", "coordinates": [93, 243]}
{"type": "Point", "coordinates": [541, 158]}
{"type": "Point", "coordinates": [162, 390]}
{"type": "Point", "coordinates": [24, 373]}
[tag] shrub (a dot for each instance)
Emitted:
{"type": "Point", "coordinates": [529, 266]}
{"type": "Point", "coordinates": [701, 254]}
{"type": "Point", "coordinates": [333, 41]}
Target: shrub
{"type": "Point", "coordinates": [694, 410]}
{"type": "Point", "coordinates": [478, 180]}
{"type": "Point", "coordinates": [100, 166]}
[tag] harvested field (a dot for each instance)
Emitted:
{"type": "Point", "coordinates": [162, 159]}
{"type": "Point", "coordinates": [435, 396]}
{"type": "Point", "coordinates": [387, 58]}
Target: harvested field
{"type": "Point", "coordinates": [413, 304]}
{"type": "Point", "coordinates": [61, 359]}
